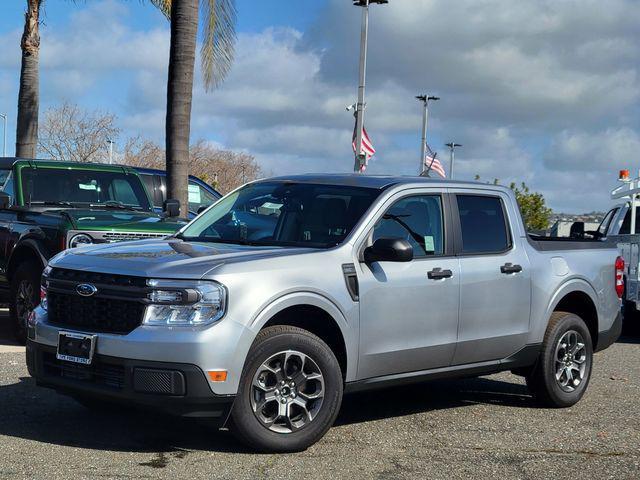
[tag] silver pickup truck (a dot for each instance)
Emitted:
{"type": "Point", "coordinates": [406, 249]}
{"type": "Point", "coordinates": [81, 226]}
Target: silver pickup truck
{"type": "Point", "coordinates": [289, 292]}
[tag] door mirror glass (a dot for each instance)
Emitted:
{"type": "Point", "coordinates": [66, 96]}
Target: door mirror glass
{"type": "Point", "coordinates": [389, 250]}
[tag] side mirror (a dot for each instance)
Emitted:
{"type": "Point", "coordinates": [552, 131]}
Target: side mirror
{"type": "Point", "coordinates": [389, 250]}
{"type": "Point", "coordinates": [202, 209]}
{"type": "Point", "coordinates": [171, 208]}
{"type": "Point", "coordinates": [5, 201]}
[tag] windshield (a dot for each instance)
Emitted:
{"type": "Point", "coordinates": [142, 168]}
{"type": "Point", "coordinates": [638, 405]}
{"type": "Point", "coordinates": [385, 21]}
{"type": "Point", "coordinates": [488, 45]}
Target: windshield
{"type": "Point", "coordinates": [283, 214]}
{"type": "Point", "coordinates": [53, 186]}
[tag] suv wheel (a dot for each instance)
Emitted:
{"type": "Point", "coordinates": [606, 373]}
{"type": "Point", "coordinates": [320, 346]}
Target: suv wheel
{"type": "Point", "coordinates": [562, 373]}
{"type": "Point", "coordinates": [290, 391]}
{"type": "Point", "coordinates": [24, 295]}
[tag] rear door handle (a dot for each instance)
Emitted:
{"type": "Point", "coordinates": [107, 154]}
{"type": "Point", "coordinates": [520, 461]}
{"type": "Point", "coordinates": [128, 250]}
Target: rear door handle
{"type": "Point", "coordinates": [509, 268]}
{"type": "Point", "coordinates": [439, 274]}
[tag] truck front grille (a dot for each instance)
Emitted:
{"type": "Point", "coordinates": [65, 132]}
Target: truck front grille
{"type": "Point", "coordinates": [94, 314]}
{"type": "Point", "coordinates": [125, 236]}
{"type": "Point", "coordinates": [117, 307]}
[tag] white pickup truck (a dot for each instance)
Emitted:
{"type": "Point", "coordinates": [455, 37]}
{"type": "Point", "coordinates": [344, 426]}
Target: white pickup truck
{"type": "Point", "coordinates": [620, 228]}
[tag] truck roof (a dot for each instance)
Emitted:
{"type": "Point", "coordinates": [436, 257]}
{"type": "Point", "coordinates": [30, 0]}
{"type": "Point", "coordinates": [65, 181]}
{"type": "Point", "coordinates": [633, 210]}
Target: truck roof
{"type": "Point", "coordinates": [380, 182]}
{"type": "Point", "coordinates": [9, 162]}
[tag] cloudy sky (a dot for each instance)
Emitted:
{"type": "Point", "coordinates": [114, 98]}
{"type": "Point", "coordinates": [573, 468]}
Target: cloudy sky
{"type": "Point", "coordinates": [544, 91]}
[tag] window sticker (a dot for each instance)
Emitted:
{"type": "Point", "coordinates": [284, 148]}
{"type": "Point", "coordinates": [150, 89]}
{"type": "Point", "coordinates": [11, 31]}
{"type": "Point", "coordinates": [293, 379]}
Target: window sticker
{"type": "Point", "coordinates": [429, 245]}
{"type": "Point", "coordinates": [194, 194]}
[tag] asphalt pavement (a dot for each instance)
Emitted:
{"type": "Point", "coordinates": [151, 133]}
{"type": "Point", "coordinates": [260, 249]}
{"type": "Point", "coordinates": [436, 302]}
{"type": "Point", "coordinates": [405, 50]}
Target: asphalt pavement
{"type": "Point", "coordinates": [475, 428]}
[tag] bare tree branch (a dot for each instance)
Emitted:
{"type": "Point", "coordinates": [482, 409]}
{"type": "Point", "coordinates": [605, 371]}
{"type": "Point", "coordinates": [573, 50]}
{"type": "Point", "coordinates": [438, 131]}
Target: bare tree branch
{"type": "Point", "coordinates": [70, 133]}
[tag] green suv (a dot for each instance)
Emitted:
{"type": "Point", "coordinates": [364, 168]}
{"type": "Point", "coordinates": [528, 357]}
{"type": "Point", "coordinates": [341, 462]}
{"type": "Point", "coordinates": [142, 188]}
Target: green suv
{"type": "Point", "coordinates": [49, 206]}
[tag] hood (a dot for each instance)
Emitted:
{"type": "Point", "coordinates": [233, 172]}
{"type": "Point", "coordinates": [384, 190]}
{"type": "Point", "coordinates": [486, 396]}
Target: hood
{"type": "Point", "coordinates": [121, 220]}
{"type": "Point", "coordinates": [172, 258]}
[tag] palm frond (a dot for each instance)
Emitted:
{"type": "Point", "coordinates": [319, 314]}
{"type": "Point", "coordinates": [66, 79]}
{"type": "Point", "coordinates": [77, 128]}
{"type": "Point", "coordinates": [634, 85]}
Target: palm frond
{"type": "Point", "coordinates": [218, 24]}
{"type": "Point", "coordinates": [164, 6]}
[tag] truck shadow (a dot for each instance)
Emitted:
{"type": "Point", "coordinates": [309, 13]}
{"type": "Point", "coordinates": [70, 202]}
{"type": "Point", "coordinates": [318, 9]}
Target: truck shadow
{"type": "Point", "coordinates": [42, 415]}
{"type": "Point", "coordinates": [436, 395]}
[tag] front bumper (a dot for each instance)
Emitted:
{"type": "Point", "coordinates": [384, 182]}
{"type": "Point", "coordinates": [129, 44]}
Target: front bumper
{"type": "Point", "coordinates": [223, 346]}
{"type": "Point", "coordinates": [175, 388]}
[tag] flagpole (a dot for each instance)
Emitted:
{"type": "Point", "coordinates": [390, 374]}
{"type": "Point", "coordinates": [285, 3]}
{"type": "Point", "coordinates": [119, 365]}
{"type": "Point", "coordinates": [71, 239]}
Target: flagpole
{"type": "Point", "coordinates": [364, 37]}
{"type": "Point", "coordinates": [360, 159]}
{"type": "Point", "coordinates": [425, 99]}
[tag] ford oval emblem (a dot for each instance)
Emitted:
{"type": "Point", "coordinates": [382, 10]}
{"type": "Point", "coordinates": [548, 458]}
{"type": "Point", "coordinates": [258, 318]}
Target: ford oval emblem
{"type": "Point", "coordinates": [86, 289]}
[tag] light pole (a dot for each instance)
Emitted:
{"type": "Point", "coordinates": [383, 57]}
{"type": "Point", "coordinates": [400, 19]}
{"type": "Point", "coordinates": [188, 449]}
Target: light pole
{"type": "Point", "coordinates": [4, 133]}
{"type": "Point", "coordinates": [364, 38]}
{"type": "Point", "coordinates": [452, 148]}
{"type": "Point", "coordinates": [425, 99]}
{"type": "Point", "coordinates": [110, 142]}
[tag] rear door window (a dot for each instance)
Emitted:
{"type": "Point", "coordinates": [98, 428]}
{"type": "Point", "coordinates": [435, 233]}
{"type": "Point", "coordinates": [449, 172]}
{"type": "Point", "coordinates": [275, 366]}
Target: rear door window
{"type": "Point", "coordinates": [483, 223]}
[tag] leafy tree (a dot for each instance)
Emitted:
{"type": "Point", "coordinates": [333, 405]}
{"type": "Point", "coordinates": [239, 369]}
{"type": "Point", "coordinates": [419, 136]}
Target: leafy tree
{"type": "Point", "coordinates": [532, 205]}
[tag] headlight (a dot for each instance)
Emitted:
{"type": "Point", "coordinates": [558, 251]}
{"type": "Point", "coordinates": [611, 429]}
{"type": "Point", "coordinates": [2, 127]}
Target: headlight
{"type": "Point", "coordinates": [184, 303]}
{"type": "Point", "coordinates": [43, 287]}
{"type": "Point", "coordinates": [80, 240]}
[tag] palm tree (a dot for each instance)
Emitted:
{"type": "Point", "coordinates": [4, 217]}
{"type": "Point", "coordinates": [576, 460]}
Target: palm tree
{"type": "Point", "coordinates": [29, 95]}
{"type": "Point", "coordinates": [218, 19]}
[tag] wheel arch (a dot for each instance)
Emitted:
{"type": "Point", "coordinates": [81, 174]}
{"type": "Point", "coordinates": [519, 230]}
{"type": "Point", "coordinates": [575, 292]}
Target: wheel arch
{"type": "Point", "coordinates": [579, 298]}
{"type": "Point", "coordinates": [318, 315]}
{"type": "Point", "coordinates": [26, 250]}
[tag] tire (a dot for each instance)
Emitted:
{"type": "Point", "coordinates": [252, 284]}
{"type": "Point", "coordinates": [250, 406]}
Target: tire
{"type": "Point", "coordinates": [24, 297]}
{"type": "Point", "coordinates": [256, 418]}
{"type": "Point", "coordinates": [567, 353]}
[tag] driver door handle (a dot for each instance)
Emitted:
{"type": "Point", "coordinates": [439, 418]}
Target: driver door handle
{"type": "Point", "coordinates": [509, 268]}
{"type": "Point", "coordinates": [439, 274]}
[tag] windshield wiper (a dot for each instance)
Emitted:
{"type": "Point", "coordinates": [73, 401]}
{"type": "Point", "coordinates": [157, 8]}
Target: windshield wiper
{"type": "Point", "coordinates": [113, 204]}
{"type": "Point", "coordinates": [54, 203]}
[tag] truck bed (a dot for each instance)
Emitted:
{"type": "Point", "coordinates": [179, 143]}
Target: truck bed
{"type": "Point", "coordinates": [544, 244]}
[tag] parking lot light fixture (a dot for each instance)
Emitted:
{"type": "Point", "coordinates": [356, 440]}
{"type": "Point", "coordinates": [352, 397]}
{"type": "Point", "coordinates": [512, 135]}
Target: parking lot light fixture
{"type": "Point", "coordinates": [452, 148]}
{"type": "Point", "coordinates": [360, 156]}
{"type": "Point", "coordinates": [425, 99]}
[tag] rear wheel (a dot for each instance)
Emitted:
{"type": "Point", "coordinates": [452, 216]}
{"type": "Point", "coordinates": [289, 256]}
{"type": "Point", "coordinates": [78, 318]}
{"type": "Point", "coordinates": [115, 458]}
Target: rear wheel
{"type": "Point", "coordinates": [24, 296]}
{"type": "Point", "coordinates": [290, 391]}
{"type": "Point", "coordinates": [563, 371]}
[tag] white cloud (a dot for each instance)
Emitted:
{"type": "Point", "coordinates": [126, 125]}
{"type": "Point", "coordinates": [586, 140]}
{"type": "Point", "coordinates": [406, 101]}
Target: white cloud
{"type": "Point", "coordinates": [545, 92]}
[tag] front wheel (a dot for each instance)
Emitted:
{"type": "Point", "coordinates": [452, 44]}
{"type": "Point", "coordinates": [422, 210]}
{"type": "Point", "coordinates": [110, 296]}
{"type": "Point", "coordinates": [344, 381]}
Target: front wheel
{"type": "Point", "coordinates": [24, 297]}
{"type": "Point", "coordinates": [562, 373]}
{"type": "Point", "coordinates": [290, 391]}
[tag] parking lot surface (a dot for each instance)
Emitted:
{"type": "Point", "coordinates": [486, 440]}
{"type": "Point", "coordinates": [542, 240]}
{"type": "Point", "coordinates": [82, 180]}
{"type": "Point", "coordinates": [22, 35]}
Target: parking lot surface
{"type": "Point", "coordinates": [474, 428]}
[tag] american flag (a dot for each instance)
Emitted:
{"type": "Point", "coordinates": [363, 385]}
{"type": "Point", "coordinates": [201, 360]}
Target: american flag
{"type": "Point", "coordinates": [432, 163]}
{"type": "Point", "coordinates": [367, 146]}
